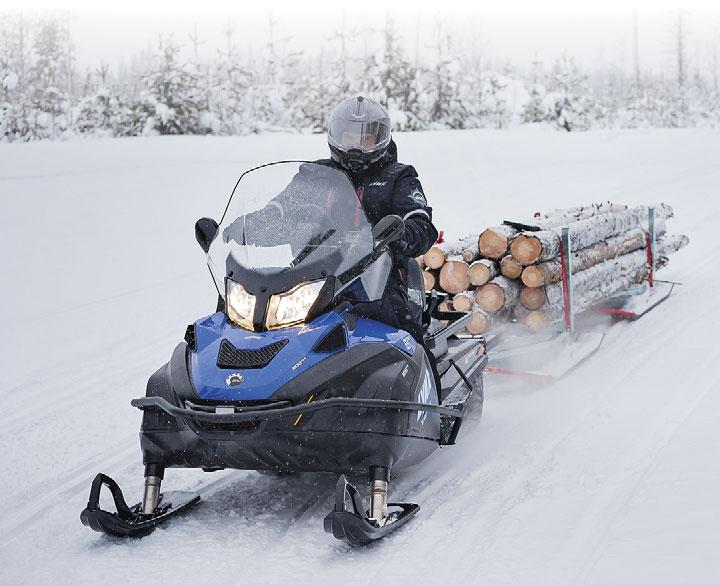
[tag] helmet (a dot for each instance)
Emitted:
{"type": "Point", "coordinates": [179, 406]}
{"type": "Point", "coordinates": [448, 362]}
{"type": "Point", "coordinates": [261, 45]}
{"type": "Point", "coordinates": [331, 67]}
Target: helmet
{"type": "Point", "coordinates": [358, 133]}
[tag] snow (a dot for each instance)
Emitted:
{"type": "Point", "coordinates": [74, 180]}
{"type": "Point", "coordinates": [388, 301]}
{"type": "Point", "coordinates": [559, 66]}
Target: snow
{"type": "Point", "coordinates": [609, 476]}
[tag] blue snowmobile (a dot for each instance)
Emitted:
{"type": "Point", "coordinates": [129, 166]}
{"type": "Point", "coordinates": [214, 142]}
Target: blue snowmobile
{"type": "Point", "coordinates": [288, 375]}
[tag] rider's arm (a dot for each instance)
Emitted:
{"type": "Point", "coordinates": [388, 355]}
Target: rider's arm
{"type": "Point", "coordinates": [410, 204]}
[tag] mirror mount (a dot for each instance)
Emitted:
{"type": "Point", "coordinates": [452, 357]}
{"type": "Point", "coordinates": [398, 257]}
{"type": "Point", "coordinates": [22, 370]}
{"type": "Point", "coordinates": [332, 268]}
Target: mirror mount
{"type": "Point", "coordinates": [205, 231]}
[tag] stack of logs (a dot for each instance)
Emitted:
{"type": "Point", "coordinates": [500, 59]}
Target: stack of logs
{"type": "Point", "coordinates": [505, 274]}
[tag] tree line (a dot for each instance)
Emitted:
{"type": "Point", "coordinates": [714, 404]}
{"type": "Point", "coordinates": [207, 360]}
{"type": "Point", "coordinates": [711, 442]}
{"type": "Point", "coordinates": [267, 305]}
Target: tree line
{"type": "Point", "coordinates": [43, 94]}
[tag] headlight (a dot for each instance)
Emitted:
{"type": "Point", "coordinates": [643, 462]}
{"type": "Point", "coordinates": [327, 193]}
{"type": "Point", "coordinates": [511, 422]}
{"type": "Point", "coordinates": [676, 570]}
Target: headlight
{"type": "Point", "coordinates": [240, 305]}
{"type": "Point", "coordinates": [292, 307]}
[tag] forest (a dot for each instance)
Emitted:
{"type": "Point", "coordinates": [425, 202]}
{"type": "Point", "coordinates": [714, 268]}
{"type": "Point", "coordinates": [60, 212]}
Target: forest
{"type": "Point", "coordinates": [170, 89]}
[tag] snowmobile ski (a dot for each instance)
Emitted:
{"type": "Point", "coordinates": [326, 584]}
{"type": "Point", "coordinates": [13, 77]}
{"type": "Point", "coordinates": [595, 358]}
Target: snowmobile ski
{"type": "Point", "coordinates": [354, 525]}
{"type": "Point", "coordinates": [130, 521]}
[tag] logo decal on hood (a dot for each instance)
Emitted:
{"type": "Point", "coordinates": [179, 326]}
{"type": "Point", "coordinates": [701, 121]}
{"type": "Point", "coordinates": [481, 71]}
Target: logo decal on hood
{"type": "Point", "coordinates": [234, 379]}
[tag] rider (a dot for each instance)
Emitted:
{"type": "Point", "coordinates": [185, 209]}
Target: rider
{"type": "Point", "coordinates": [361, 144]}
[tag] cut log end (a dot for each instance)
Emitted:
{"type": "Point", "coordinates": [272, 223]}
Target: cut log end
{"type": "Point", "coordinates": [454, 276]}
{"type": "Point", "coordinates": [428, 280]}
{"type": "Point", "coordinates": [463, 301]}
{"type": "Point", "coordinates": [535, 320]}
{"type": "Point", "coordinates": [493, 244]}
{"type": "Point", "coordinates": [482, 271]}
{"type": "Point", "coordinates": [510, 268]}
{"type": "Point", "coordinates": [434, 258]}
{"type": "Point", "coordinates": [532, 277]}
{"type": "Point", "coordinates": [526, 249]}
{"type": "Point", "coordinates": [478, 323]}
{"type": "Point", "coordinates": [532, 297]}
{"type": "Point", "coordinates": [490, 297]}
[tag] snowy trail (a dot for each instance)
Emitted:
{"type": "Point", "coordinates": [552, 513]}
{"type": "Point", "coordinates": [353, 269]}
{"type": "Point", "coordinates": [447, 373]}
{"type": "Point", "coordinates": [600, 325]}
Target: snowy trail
{"type": "Point", "coordinates": [608, 476]}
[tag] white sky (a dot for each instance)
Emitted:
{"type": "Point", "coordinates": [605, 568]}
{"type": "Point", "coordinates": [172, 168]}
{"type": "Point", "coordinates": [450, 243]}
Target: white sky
{"type": "Point", "coordinates": [595, 32]}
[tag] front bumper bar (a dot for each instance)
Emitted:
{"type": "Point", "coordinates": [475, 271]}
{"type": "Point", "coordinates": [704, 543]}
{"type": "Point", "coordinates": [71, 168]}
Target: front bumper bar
{"type": "Point", "coordinates": [265, 413]}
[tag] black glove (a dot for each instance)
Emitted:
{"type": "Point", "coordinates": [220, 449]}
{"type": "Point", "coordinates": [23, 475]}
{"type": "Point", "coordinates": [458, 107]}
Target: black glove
{"type": "Point", "coordinates": [399, 246]}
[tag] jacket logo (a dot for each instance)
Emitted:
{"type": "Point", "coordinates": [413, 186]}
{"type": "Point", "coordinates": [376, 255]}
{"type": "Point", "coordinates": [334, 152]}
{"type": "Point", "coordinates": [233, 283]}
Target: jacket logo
{"type": "Point", "coordinates": [377, 183]}
{"type": "Point", "coordinates": [234, 379]}
{"type": "Point", "coordinates": [418, 196]}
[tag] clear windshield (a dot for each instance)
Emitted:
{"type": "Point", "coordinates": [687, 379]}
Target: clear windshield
{"type": "Point", "coordinates": [284, 215]}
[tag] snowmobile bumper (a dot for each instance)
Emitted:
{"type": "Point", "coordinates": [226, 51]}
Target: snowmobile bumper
{"type": "Point", "coordinates": [325, 435]}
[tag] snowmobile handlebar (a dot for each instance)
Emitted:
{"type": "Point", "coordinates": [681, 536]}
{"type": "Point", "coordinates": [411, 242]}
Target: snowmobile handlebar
{"type": "Point", "coordinates": [255, 414]}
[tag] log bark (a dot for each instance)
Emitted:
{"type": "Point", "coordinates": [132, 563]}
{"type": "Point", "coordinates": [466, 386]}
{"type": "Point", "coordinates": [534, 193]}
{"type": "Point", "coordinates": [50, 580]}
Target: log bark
{"type": "Point", "coordinates": [499, 293]}
{"type": "Point", "coordinates": [482, 271]}
{"type": "Point", "coordinates": [454, 275]}
{"type": "Point", "coordinates": [531, 247]}
{"type": "Point", "coordinates": [493, 243]}
{"type": "Point", "coordinates": [548, 272]}
{"type": "Point", "coordinates": [532, 297]}
{"type": "Point", "coordinates": [510, 268]}
{"type": "Point", "coordinates": [564, 216]}
{"type": "Point", "coordinates": [606, 279]}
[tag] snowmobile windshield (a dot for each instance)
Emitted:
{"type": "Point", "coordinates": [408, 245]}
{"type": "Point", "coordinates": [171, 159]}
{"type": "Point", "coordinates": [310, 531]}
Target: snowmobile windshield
{"type": "Point", "coordinates": [291, 216]}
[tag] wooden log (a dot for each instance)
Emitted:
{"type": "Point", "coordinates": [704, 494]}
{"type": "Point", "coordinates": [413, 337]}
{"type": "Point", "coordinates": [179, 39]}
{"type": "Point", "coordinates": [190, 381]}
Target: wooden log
{"type": "Point", "coordinates": [479, 321]}
{"type": "Point", "coordinates": [463, 301]}
{"type": "Point", "coordinates": [510, 268]}
{"type": "Point", "coordinates": [535, 320]}
{"type": "Point", "coordinates": [439, 253]}
{"type": "Point", "coordinates": [550, 271]}
{"type": "Point", "coordinates": [532, 297]}
{"type": "Point", "coordinates": [531, 247]}
{"type": "Point", "coordinates": [435, 257]}
{"type": "Point", "coordinates": [471, 253]}
{"type": "Point", "coordinates": [493, 243]}
{"type": "Point", "coordinates": [606, 279]}
{"type": "Point", "coordinates": [429, 280]}
{"type": "Point", "coordinates": [482, 271]}
{"type": "Point", "coordinates": [499, 293]}
{"type": "Point", "coordinates": [454, 275]}
{"type": "Point", "coordinates": [560, 216]}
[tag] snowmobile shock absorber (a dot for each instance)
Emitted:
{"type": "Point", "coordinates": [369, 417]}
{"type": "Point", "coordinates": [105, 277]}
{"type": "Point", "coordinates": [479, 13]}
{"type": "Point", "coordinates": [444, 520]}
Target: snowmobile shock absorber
{"type": "Point", "coordinates": [151, 496]}
{"type": "Point", "coordinates": [379, 476]}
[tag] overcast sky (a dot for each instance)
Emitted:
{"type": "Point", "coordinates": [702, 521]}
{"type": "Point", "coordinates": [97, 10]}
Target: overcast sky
{"type": "Point", "coordinates": [594, 32]}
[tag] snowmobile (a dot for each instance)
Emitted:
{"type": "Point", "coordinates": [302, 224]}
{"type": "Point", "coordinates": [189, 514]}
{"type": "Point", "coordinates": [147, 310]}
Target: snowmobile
{"type": "Point", "coordinates": [289, 374]}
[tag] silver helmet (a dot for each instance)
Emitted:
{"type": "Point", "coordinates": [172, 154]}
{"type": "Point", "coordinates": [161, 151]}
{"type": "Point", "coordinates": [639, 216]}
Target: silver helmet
{"type": "Point", "coordinates": [358, 133]}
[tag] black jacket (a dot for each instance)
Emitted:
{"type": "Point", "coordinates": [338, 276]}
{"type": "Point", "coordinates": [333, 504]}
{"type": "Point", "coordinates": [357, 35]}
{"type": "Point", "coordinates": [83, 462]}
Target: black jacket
{"type": "Point", "coordinates": [385, 188]}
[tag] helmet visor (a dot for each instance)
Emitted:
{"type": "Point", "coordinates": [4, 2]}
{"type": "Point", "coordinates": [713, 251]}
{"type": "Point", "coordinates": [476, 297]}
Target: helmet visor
{"type": "Point", "coordinates": [352, 134]}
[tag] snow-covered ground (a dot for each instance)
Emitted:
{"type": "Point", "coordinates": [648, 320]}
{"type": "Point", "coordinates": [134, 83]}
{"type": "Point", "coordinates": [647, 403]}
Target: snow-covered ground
{"type": "Point", "coordinates": [610, 476]}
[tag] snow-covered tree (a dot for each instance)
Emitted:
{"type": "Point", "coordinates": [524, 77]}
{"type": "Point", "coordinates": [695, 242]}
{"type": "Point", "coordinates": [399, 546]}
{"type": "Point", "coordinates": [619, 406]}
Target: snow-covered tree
{"type": "Point", "coordinates": [568, 101]}
{"type": "Point", "coordinates": [50, 78]}
{"type": "Point", "coordinates": [174, 96]}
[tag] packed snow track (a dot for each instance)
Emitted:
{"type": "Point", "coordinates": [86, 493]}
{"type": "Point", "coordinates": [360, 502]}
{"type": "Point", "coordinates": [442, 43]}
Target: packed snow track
{"type": "Point", "coordinates": [609, 476]}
